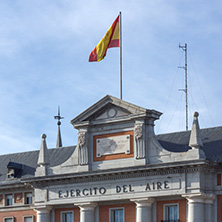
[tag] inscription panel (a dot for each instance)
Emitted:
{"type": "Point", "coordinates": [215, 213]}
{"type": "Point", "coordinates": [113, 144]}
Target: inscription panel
{"type": "Point", "coordinates": [113, 146]}
{"type": "Point", "coordinates": [114, 190]}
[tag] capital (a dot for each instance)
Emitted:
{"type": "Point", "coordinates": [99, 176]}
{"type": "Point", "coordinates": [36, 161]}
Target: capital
{"type": "Point", "coordinates": [89, 206]}
{"type": "Point", "coordinates": [143, 202]}
{"type": "Point", "coordinates": [43, 209]}
{"type": "Point", "coordinates": [200, 198]}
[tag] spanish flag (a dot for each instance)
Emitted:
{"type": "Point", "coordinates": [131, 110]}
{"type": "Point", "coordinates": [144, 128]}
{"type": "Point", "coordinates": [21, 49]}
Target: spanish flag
{"type": "Point", "coordinates": [111, 39]}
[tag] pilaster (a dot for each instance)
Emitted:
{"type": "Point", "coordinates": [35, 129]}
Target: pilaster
{"type": "Point", "coordinates": [43, 213]}
{"type": "Point", "coordinates": [200, 207]}
{"type": "Point", "coordinates": [143, 209]}
{"type": "Point", "coordinates": [87, 211]}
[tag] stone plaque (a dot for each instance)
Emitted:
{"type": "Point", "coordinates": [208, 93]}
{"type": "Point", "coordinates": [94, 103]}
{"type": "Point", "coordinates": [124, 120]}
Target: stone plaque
{"type": "Point", "coordinates": [113, 145]}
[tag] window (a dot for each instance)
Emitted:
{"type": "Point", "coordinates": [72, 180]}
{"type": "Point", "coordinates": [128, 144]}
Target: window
{"type": "Point", "coordinates": [28, 219]}
{"type": "Point", "coordinates": [67, 216]}
{"type": "Point", "coordinates": [9, 219]}
{"type": "Point", "coordinates": [117, 215]}
{"type": "Point", "coordinates": [8, 200]}
{"type": "Point", "coordinates": [28, 198]}
{"type": "Point", "coordinates": [171, 213]}
{"type": "Point", "coordinates": [11, 173]}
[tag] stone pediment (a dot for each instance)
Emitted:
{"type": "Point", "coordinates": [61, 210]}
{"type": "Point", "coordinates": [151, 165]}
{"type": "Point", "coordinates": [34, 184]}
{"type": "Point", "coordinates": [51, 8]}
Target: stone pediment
{"type": "Point", "coordinates": [111, 111]}
{"type": "Point", "coordinates": [110, 107]}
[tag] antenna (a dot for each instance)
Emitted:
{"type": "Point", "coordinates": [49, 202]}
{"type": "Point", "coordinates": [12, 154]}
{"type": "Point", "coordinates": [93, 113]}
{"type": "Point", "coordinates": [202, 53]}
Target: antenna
{"type": "Point", "coordinates": [184, 48]}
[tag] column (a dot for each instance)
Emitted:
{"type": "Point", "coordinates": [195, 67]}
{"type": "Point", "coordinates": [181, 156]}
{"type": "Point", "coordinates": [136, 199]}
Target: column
{"type": "Point", "coordinates": [87, 211]}
{"type": "Point", "coordinates": [200, 207]}
{"type": "Point", "coordinates": [143, 209]}
{"type": "Point", "coordinates": [43, 213]}
{"type": "Point", "coordinates": [209, 214]}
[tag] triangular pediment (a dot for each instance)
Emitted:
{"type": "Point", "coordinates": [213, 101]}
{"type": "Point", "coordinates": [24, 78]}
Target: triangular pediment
{"type": "Point", "coordinates": [110, 107]}
{"type": "Point", "coordinates": [110, 111]}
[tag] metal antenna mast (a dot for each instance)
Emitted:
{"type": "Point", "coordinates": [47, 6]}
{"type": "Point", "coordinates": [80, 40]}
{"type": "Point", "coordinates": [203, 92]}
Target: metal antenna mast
{"type": "Point", "coordinates": [184, 48]}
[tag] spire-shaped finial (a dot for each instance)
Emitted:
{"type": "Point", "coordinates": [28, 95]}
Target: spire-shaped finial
{"type": "Point", "coordinates": [195, 139]}
{"type": "Point", "coordinates": [59, 138]}
{"type": "Point", "coordinates": [43, 153]}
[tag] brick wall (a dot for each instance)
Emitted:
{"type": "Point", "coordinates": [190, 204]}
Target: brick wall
{"type": "Point", "coordinates": [18, 215]}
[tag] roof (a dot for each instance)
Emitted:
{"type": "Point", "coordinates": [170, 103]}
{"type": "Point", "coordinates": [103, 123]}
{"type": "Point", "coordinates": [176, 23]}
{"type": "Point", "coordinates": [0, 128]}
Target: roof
{"type": "Point", "coordinates": [29, 161]}
{"type": "Point", "coordinates": [211, 137]}
{"type": "Point", "coordinates": [174, 142]}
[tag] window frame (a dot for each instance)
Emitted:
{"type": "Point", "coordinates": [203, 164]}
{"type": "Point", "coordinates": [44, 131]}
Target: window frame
{"type": "Point", "coordinates": [11, 173]}
{"type": "Point", "coordinates": [25, 198]}
{"type": "Point", "coordinates": [4, 219]}
{"type": "Point", "coordinates": [113, 209]}
{"type": "Point", "coordinates": [6, 195]}
{"type": "Point", "coordinates": [27, 216]}
{"type": "Point", "coordinates": [66, 211]}
{"type": "Point", "coordinates": [165, 212]}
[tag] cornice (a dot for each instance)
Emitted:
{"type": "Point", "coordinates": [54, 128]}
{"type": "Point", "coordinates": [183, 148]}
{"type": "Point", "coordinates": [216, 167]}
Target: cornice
{"type": "Point", "coordinates": [9, 186]}
{"type": "Point", "coordinates": [15, 208]}
{"type": "Point", "coordinates": [124, 173]}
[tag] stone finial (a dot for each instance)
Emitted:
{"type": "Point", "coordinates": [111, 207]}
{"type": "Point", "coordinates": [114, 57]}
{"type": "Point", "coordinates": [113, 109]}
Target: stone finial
{"type": "Point", "coordinates": [195, 139]}
{"type": "Point", "coordinates": [43, 153]}
{"type": "Point", "coordinates": [59, 137]}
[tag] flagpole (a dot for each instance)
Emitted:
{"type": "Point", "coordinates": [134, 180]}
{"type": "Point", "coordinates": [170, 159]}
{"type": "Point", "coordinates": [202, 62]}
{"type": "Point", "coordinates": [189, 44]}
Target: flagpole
{"type": "Point", "coordinates": [120, 47]}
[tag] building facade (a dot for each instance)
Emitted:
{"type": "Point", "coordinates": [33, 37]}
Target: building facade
{"type": "Point", "coordinates": [119, 171]}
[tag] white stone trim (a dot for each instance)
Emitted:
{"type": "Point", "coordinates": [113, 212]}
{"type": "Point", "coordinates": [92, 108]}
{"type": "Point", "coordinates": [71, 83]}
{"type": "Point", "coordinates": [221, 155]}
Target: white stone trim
{"type": "Point", "coordinates": [68, 211]}
{"type": "Point", "coordinates": [24, 197]}
{"type": "Point", "coordinates": [200, 198]}
{"type": "Point", "coordinates": [43, 209]}
{"type": "Point", "coordinates": [88, 206]}
{"type": "Point", "coordinates": [116, 208]}
{"type": "Point", "coordinates": [143, 202]}
{"type": "Point", "coordinates": [87, 211]}
{"type": "Point", "coordinates": [5, 199]}
{"type": "Point", "coordinates": [27, 216]}
{"type": "Point", "coordinates": [4, 219]}
{"type": "Point", "coordinates": [168, 205]}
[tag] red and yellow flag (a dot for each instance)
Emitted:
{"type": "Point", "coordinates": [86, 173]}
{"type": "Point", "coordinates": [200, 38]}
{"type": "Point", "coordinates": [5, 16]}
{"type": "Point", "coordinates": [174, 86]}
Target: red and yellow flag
{"type": "Point", "coordinates": [111, 39]}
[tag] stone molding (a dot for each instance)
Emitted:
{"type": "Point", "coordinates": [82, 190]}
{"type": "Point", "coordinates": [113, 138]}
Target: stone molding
{"type": "Point", "coordinates": [15, 208]}
{"type": "Point", "coordinates": [143, 202]}
{"type": "Point", "coordinates": [123, 175]}
{"type": "Point", "coordinates": [89, 206]}
{"type": "Point", "coordinates": [200, 198]}
{"type": "Point", "coordinates": [43, 209]}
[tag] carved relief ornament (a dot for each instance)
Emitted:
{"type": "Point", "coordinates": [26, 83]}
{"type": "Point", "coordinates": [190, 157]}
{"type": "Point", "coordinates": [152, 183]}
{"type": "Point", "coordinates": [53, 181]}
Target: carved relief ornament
{"type": "Point", "coordinates": [82, 138]}
{"type": "Point", "coordinates": [138, 131]}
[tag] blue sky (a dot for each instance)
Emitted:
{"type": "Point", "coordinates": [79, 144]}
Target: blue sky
{"type": "Point", "coordinates": [44, 49]}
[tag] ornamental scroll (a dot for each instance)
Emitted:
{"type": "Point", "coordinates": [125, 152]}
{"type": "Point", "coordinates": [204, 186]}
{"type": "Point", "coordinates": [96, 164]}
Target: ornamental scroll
{"type": "Point", "coordinates": [138, 132]}
{"type": "Point", "coordinates": [83, 149]}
